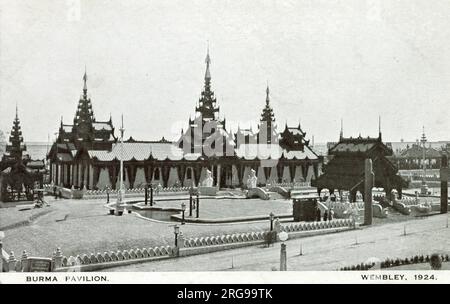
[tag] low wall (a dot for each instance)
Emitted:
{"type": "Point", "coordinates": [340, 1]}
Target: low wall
{"type": "Point", "coordinates": [213, 248]}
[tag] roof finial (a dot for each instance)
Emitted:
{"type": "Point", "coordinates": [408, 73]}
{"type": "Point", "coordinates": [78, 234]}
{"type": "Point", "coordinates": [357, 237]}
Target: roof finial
{"type": "Point", "coordinates": [207, 61]}
{"type": "Point", "coordinates": [267, 94]}
{"type": "Point", "coordinates": [341, 135]}
{"type": "Point", "coordinates": [379, 127]}
{"type": "Point", "coordinates": [17, 111]}
{"type": "Point", "coordinates": [85, 80]}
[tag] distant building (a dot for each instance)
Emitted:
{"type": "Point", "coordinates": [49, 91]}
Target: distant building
{"type": "Point", "coordinates": [412, 157]}
{"type": "Point", "coordinates": [20, 176]}
{"type": "Point", "coordinates": [87, 153]}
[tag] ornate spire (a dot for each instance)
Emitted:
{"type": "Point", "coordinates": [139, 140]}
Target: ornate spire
{"type": "Point", "coordinates": [207, 61]}
{"type": "Point", "coordinates": [85, 85]}
{"type": "Point", "coordinates": [267, 132]}
{"type": "Point", "coordinates": [379, 127]}
{"type": "Point", "coordinates": [84, 116]}
{"type": "Point", "coordinates": [207, 102]}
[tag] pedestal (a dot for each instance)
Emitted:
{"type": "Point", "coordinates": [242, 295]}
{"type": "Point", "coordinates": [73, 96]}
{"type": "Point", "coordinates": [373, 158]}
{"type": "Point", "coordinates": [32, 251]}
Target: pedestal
{"type": "Point", "coordinates": [204, 190]}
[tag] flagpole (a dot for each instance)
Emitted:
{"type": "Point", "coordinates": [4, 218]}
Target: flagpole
{"type": "Point", "coordinates": [121, 190]}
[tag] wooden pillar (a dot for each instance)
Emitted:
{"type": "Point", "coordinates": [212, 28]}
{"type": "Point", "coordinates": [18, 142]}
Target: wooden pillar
{"type": "Point", "coordinates": [57, 174]}
{"type": "Point", "coordinates": [369, 178]}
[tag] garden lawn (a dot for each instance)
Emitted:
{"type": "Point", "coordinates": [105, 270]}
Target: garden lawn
{"type": "Point", "coordinates": [84, 227]}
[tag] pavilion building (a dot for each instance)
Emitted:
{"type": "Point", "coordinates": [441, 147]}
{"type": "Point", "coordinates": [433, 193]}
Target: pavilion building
{"type": "Point", "coordinates": [346, 166]}
{"type": "Point", "coordinates": [87, 153]}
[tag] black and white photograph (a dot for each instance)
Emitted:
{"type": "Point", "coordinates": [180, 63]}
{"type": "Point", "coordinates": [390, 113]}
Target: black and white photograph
{"type": "Point", "coordinates": [224, 141]}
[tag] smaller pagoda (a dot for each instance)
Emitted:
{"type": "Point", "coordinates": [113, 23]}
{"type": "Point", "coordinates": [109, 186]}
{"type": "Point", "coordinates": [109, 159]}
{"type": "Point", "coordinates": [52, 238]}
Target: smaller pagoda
{"type": "Point", "coordinates": [19, 174]}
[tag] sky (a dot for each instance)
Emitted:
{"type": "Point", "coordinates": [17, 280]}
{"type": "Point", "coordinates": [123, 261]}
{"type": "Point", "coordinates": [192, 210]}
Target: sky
{"type": "Point", "coordinates": [323, 60]}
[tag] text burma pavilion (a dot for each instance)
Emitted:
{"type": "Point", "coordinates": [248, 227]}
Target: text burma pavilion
{"type": "Point", "coordinates": [87, 153]}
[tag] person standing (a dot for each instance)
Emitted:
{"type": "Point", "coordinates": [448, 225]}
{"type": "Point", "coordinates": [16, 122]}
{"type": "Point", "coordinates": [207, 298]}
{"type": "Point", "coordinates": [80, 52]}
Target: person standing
{"type": "Point", "coordinates": [318, 214]}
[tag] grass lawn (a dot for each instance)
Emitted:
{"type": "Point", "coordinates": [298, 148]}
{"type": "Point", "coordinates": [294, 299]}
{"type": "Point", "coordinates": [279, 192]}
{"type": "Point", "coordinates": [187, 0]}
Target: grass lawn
{"type": "Point", "coordinates": [84, 226]}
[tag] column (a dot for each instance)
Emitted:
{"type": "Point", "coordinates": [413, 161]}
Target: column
{"type": "Point", "coordinates": [218, 176]}
{"type": "Point", "coordinates": [368, 185]}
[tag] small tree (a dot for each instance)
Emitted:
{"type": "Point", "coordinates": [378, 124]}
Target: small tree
{"type": "Point", "coordinates": [435, 261]}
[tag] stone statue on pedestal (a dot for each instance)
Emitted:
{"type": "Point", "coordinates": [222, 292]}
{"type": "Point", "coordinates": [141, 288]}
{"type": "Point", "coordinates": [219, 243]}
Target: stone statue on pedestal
{"type": "Point", "coordinates": [252, 180]}
{"type": "Point", "coordinates": [208, 181]}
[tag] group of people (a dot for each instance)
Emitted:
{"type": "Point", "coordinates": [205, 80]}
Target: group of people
{"type": "Point", "coordinates": [328, 215]}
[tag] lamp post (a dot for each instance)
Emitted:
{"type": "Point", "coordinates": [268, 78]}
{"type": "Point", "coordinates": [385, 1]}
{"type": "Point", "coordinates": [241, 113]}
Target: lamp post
{"type": "Point", "coordinates": [283, 236]}
{"type": "Point", "coordinates": [190, 203]}
{"type": "Point", "coordinates": [120, 195]}
{"type": "Point", "coordinates": [107, 195]}
{"type": "Point", "coordinates": [146, 193]}
{"type": "Point", "coordinates": [271, 216]}
{"type": "Point", "coordinates": [183, 209]}
{"type": "Point", "coordinates": [151, 194]}
{"type": "Point", "coordinates": [197, 209]}
{"type": "Point", "coordinates": [176, 231]}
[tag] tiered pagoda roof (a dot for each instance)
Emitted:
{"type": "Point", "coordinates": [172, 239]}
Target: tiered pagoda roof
{"type": "Point", "coordinates": [85, 131]}
{"type": "Point", "coordinates": [16, 146]}
{"type": "Point", "coordinates": [345, 170]}
{"type": "Point", "coordinates": [207, 125]}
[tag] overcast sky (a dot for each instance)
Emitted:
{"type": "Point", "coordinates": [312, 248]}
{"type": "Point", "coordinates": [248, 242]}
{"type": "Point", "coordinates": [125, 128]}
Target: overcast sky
{"type": "Point", "coordinates": [323, 60]}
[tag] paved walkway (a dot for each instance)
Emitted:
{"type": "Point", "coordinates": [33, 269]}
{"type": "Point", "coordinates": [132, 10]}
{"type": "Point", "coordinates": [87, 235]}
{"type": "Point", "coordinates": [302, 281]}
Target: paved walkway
{"type": "Point", "coordinates": [326, 252]}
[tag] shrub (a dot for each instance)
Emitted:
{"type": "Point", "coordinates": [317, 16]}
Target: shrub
{"type": "Point", "coordinates": [435, 261]}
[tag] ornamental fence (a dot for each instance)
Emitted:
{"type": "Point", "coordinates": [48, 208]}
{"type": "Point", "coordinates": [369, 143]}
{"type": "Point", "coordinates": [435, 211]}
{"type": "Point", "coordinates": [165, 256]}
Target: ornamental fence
{"type": "Point", "coordinates": [292, 185]}
{"type": "Point", "coordinates": [185, 246]}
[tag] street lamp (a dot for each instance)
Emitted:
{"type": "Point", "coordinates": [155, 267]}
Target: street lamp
{"type": "Point", "coordinates": [176, 231]}
{"type": "Point", "coordinates": [121, 192]}
{"type": "Point", "coordinates": [107, 194]}
{"type": "Point", "coordinates": [183, 209]}
{"type": "Point", "coordinates": [197, 209]}
{"type": "Point", "coordinates": [190, 203]}
{"type": "Point", "coordinates": [283, 236]}
{"type": "Point", "coordinates": [146, 193]}
{"type": "Point", "coordinates": [151, 194]}
{"type": "Point", "coordinates": [271, 216]}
